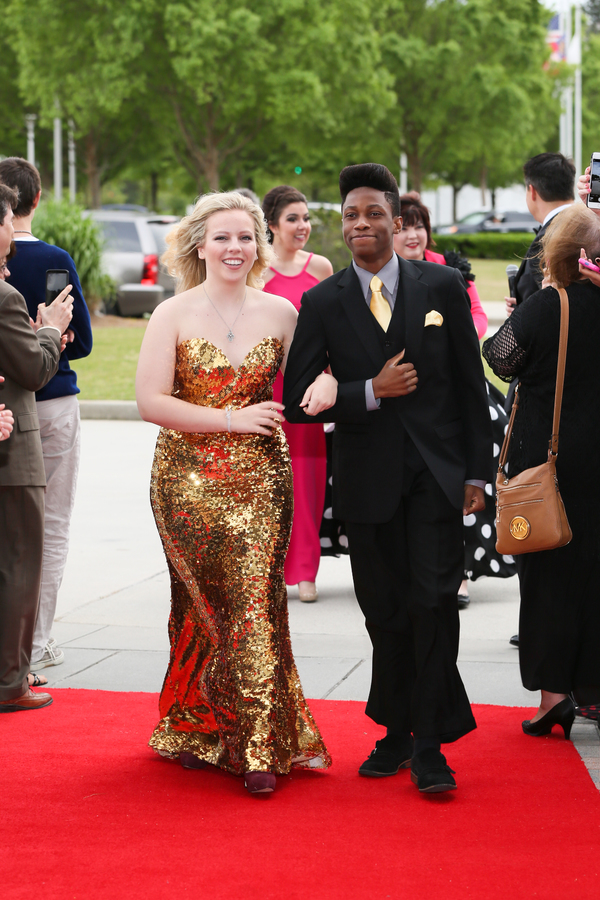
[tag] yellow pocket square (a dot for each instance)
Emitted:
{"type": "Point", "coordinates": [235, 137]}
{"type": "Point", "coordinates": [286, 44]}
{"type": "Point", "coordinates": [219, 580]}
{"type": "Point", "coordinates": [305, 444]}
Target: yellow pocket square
{"type": "Point", "coordinates": [433, 318]}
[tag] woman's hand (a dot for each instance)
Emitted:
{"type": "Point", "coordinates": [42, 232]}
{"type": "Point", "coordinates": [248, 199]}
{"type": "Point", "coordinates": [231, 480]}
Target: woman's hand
{"type": "Point", "coordinates": [583, 185]}
{"type": "Point", "coordinates": [320, 395]}
{"type": "Point", "coordinates": [594, 277]}
{"type": "Point", "coordinates": [261, 418]}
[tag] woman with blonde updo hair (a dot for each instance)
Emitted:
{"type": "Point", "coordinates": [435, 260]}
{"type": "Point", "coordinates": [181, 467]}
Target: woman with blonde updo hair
{"type": "Point", "coordinates": [221, 493]}
{"type": "Point", "coordinates": [560, 610]}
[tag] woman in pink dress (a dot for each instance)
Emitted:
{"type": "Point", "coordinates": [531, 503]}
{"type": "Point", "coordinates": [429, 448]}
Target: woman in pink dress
{"type": "Point", "coordinates": [288, 219]}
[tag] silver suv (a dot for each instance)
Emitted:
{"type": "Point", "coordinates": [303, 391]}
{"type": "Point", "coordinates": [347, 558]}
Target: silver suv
{"type": "Point", "coordinates": [134, 243]}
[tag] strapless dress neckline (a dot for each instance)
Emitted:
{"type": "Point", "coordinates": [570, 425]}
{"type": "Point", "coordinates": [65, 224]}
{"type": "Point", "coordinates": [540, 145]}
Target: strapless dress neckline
{"type": "Point", "coordinates": [252, 350]}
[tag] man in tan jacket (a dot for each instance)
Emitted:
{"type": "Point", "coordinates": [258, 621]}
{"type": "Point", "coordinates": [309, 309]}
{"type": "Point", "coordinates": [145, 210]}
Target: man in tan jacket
{"type": "Point", "coordinates": [29, 357]}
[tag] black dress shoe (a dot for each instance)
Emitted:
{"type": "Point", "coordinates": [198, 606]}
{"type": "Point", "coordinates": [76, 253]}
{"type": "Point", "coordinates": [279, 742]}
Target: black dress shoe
{"type": "Point", "coordinates": [562, 714]}
{"type": "Point", "coordinates": [514, 640]}
{"type": "Point", "coordinates": [431, 773]}
{"type": "Point", "coordinates": [463, 600]}
{"type": "Point", "coordinates": [387, 758]}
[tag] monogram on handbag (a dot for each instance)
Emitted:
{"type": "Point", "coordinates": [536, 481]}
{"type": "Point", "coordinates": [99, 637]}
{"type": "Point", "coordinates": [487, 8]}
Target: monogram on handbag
{"type": "Point", "coordinates": [530, 514]}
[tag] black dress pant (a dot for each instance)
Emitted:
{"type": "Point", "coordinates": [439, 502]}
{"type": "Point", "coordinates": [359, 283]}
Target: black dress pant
{"type": "Point", "coordinates": [406, 577]}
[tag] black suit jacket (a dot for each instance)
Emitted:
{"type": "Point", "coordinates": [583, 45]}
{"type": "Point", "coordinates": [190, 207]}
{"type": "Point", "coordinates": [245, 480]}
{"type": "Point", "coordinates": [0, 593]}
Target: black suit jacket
{"type": "Point", "coordinates": [28, 361]}
{"type": "Point", "coordinates": [446, 417]}
{"type": "Point", "coordinates": [529, 277]}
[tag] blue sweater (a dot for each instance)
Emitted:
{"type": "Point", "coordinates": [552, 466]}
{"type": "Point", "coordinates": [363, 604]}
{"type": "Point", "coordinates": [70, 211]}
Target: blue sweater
{"type": "Point", "coordinates": [28, 276]}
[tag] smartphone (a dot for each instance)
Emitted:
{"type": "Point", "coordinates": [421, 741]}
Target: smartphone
{"type": "Point", "coordinates": [56, 281]}
{"type": "Point", "coordinates": [593, 200]}
{"type": "Point", "coordinates": [589, 265]}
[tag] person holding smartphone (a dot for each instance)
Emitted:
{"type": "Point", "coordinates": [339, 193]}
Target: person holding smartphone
{"type": "Point", "coordinates": [29, 358]}
{"type": "Point", "coordinates": [56, 403]}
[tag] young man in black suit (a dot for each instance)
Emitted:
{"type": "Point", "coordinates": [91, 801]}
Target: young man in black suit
{"type": "Point", "coordinates": [411, 454]}
{"type": "Point", "coordinates": [549, 182]}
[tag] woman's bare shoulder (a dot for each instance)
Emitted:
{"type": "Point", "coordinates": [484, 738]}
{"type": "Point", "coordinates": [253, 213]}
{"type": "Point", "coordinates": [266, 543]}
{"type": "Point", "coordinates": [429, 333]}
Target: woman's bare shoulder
{"type": "Point", "coordinates": [320, 267]}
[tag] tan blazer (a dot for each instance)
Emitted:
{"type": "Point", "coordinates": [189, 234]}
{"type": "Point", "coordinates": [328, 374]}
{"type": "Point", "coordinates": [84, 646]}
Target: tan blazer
{"type": "Point", "coordinates": [27, 361]}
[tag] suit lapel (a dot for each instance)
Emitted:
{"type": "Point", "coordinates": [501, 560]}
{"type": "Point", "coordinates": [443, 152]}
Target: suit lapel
{"type": "Point", "coordinates": [361, 318]}
{"type": "Point", "coordinates": [414, 296]}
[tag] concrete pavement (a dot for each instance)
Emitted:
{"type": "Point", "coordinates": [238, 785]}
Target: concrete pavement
{"type": "Point", "coordinates": [114, 602]}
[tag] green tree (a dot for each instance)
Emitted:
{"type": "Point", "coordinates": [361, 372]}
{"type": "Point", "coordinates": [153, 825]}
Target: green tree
{"type": "Point", "coordinates": [80, 59]}
{"type": "Point", "coordinates": [590, 74]}
{"type": "Point", "coordinates": [472, 92]}
{"type": "Point", "coordinates": [265, 80]}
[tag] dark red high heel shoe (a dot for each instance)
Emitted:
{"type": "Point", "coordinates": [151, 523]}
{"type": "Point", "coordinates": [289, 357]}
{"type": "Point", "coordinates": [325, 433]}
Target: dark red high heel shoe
{"type": "Point", "coordinates": [259, 782]}
{"type": "Point", "coordinates": [189, 761]}
{"type": "Point", "coordinates": [562, 714]}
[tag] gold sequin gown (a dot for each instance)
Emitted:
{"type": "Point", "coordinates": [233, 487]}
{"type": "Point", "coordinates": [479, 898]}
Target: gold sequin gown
{"type": "Point", "coordinates": [223, 508]}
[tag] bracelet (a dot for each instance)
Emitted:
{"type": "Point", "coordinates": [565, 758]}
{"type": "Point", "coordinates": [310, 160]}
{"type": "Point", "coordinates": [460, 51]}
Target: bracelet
{"type": "Point", "coordinates": [228, 417]}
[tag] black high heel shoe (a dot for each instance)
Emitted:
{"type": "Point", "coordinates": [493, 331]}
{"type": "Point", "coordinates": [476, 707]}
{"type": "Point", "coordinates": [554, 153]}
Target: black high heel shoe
{"type": "Point", "coordinates": [562, 714]}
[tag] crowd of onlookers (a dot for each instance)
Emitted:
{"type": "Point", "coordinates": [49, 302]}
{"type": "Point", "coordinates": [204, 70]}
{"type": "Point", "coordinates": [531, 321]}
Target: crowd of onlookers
{"type": "Point", "coordinates": [40, 429]}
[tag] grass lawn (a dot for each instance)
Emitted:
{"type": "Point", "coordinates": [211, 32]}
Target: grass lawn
{"type": "Point", "coordinates": [490, 278]}
{"type": "Point", "coordinates": [109, 372]}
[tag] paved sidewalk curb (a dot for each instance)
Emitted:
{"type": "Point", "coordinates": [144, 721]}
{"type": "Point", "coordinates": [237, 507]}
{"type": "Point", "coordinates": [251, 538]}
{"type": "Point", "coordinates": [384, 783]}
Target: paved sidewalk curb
{"type": "Point", "coordinates": [109, 409]}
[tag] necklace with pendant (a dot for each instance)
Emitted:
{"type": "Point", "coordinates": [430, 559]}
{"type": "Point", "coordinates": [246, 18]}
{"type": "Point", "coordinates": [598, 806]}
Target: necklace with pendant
{"type": "Point", "coordinates": [230, 334]}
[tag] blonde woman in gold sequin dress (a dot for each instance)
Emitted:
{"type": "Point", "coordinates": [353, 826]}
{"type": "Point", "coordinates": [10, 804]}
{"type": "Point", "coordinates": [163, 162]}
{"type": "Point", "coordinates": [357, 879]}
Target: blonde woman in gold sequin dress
{"type": "Point", "coordinates": [221, 492]}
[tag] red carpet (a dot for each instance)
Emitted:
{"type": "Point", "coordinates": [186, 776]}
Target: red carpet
{"type": "Point", "coordinates": [90, 813]}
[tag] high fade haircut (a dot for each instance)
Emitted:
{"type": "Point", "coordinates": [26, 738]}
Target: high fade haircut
{"type": "Point", "coordinates": [371, 175]}
{"type": "Point", "coordinates": [552, 175]}
{"type": "Point", "coordinates": [24, 178]}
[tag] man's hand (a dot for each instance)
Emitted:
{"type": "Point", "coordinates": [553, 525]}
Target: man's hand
{"type": "Point", "coordinates": [474, 499]}
{"type": "Point", "coordinates": [511, 302]}
{"type": "Point", "coordinates": [6, 422]}
{"type": "Point", "coordinates": [395, 380]}
{"type": "Point", "coordinates": [60, 311]}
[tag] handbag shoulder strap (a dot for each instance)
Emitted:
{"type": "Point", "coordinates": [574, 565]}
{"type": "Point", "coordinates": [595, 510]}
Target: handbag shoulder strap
{"type": "Point", "coordinates": [560, 370]}
{"type": "Point", "coordinates": [558, 394]}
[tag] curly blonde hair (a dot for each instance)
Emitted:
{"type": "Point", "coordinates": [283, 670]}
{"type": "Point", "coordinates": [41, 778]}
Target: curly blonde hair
{"type": "Point", "coordinates": [567, 233]}
{"type": "Point", "coordinates": [181, 255]}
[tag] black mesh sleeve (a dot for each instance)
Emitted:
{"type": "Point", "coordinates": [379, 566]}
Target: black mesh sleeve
{"type": "Point", "coordinates": [503, 353]}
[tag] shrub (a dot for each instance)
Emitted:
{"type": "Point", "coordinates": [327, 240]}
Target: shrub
{"type": "Point", "coordinates": [62, 224]}
{"type": "Point", "coordinates": [486, 246]}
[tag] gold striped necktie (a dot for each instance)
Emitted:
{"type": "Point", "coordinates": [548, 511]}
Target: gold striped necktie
{"type": "Point", "coordinates": [379, 306]}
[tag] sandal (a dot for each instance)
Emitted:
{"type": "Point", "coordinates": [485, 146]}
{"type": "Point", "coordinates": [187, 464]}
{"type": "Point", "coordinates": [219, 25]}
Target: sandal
{"type": "Point", "coordinates": [35, 680]}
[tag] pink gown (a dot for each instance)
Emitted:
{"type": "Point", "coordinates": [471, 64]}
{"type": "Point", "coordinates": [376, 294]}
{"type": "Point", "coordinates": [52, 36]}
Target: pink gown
{"type": "Point", "coordinates": [309, 458]}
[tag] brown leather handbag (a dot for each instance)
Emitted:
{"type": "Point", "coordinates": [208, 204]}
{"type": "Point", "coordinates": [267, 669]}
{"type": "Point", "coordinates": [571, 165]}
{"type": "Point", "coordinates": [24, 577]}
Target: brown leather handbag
{"type": "Point", "coordinates": [530, 514]}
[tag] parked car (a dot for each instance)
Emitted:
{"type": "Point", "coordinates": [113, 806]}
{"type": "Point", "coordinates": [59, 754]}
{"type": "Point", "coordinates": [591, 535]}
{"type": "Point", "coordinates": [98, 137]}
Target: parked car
{"type": "Point", "coordinates": [134, 243]}
{"type": "Point", "coordinates": [501, 222]}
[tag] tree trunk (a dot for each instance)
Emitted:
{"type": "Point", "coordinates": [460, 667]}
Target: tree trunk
{"type": "Point", "coordinates": [455, 193]}
{"type": "Point", "coordinates": [494, 198]}
{"type": "Point", "coordinates": [483, 185]}
{"type": "Point", "coordinates": [211, 166]}
{"type": "Point", "coordinates": [153, 191]}
{"type": "Point", "coordinates": [92, 171]}
{"type": "Point", "coordinates": [415, 175]}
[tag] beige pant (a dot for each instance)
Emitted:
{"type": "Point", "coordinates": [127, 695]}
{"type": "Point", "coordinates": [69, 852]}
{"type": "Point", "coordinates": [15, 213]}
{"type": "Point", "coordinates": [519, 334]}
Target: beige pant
{"type": "Point", "coordinates": [60, 431]}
